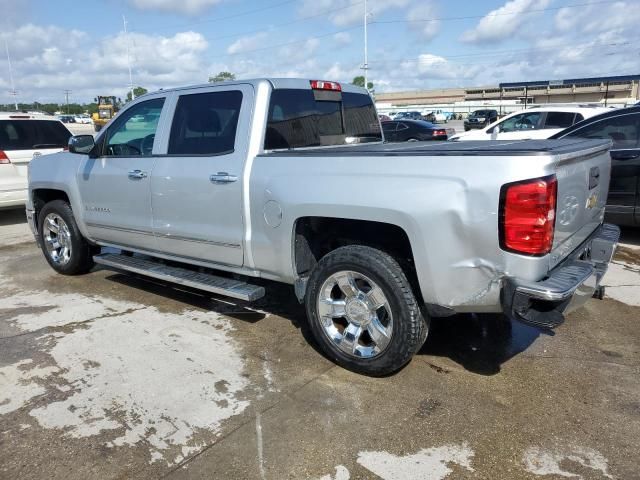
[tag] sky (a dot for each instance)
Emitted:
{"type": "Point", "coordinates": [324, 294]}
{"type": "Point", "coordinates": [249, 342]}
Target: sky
{"type": "Point", "coordinates": [81, 46]}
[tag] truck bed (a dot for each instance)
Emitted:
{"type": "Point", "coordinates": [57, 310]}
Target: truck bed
{"type": "Point", "coordinates": [565, 146]}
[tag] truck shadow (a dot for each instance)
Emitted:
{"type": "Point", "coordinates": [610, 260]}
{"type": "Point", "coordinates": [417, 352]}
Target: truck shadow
{"type": "Point", "coordinates": [479, 343]}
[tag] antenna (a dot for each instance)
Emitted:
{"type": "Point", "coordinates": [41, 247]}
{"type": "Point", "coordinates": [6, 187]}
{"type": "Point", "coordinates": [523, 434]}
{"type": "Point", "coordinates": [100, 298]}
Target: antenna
{"type": "Point", "coordinates": [13, 92]}
{"type": "Point", "coordinates": [126, 35]}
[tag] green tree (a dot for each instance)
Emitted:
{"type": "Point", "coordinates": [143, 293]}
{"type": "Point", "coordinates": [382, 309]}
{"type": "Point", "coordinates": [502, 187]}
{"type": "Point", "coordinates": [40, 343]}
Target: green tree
{"type": "Point", "coordinates": [137, 91]}
{"type": "Point", "coordinates": [359, 81]}
{"type": "Point", "coordinates": [222, 77]}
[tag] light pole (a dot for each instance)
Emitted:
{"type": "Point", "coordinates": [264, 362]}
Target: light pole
{"type": "Point", "coordinates": [13, 91]}
{"type": "Point", "coordinates": [126, 37]}
{"type": "Point", "coordinates": [365, 66]}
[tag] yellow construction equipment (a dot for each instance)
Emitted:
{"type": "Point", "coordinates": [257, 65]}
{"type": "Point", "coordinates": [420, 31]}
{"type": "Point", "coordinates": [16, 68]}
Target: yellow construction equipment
{"type": "Point", "coordinates": [107, 109]}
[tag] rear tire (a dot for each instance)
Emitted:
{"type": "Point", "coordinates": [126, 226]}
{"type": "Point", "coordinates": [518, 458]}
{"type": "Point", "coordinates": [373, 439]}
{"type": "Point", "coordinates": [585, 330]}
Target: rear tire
{"type": "Point", "coordinates": [97, 127]}
{"type": "Point", "coordinates": [64, 247]}
{"type": "Point", "coordinates": [362, 311]}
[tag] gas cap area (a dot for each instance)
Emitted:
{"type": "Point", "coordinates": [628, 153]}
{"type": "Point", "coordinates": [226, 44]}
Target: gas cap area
{"type": "Point", "coordinates": [272, 213]}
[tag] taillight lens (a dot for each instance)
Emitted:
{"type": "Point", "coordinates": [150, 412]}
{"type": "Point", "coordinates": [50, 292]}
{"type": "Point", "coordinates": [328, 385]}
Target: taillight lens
{"type": "Point", "coordinates": [3, 158]}
{"type": "Point", "coordinates": [439, 132]}
{"type": "Point", "coordinates": [527, 215]}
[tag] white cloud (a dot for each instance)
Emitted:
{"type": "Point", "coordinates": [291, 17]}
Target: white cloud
{"type": "Point", "coordinates": [187, 7]}
{"type": "Point", "coordinates": [426, 10]}
{"type": "Point", "coordinates": [247, 43]}
{"type": "Point", "coordinates": [345, 12]}
{"type": "Point", "coordinates": [48, 60]}
{"type": "Point", "coordinates": [342, 38]}
{"type": "Point", "coordinates": [503, 22]}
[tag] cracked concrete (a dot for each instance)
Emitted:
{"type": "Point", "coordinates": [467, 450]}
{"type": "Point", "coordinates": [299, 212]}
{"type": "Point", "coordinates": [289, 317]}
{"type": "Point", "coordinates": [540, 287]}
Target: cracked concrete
{"type": "Point", "coordinates": [110, 376]}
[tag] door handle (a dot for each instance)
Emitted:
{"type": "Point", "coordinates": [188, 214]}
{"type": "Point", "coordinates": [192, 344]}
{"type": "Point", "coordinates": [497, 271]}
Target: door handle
{"type": "Point", "coordinates": [137, 174]}
{"type": "Point", "coordinates": [223, 177]}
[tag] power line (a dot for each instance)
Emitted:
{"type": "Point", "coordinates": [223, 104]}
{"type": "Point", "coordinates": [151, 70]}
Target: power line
{"type": "Point", "coordinates": [228, 17]}
{"type": "Point", "coordinates": [471, 17]}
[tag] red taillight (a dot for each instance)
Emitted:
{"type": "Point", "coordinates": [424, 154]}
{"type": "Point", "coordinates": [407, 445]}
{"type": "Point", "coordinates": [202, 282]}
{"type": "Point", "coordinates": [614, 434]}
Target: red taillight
{"type": "Point", "coordinates": [439, 132]}
{"type": "Point", "coordinates": [324, 85]}
{"type": "Point", "coordinates": [527, 215]}
{"type": "Point", "coordinates": [3, 158]}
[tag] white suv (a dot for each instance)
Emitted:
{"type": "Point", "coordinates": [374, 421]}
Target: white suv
{"type": "Point", "coordinates": [534, 123]}
{"type": "Point", "coordinates": [22, 137]}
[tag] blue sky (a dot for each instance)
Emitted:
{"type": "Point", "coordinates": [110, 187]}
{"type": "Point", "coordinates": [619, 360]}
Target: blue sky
{"type": "Point", "coordinates": [81, 46]}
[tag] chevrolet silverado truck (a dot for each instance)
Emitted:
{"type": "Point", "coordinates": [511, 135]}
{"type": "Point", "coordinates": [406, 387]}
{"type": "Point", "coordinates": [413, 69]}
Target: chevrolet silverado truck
{"type": "Point", "coordinates": [218, 187]}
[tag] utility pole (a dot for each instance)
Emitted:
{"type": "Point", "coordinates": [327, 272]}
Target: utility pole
{"type": "Point", "coordinates": [13, 91]}
{"type": "Point", "coordinates": [66, 94]}
{"type": "Point", "coordinates": [126, 36]}
{"type": "Point", "coordinates": [606, 94]}
{"type": "Point", "coordinates": [365, 66]}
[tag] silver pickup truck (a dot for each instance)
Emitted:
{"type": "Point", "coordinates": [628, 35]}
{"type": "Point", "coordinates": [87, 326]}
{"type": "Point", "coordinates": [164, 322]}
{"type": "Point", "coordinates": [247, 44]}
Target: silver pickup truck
{"type": "Point", "coordinates": [217, 186]}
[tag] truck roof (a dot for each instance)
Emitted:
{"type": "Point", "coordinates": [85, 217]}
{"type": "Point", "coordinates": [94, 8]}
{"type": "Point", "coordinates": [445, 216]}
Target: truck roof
{"type": "Point", "coordinates": [301, 83]}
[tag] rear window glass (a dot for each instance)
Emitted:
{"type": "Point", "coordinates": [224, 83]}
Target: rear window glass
{"type": "Point", "coordinates": [559, 119]}
{"type": "Point", "coordinates": [205, 123]}
{"type": "Point", "coordinates": [297, 119]}
{"type": "Point", "coordinates": [32, 134]}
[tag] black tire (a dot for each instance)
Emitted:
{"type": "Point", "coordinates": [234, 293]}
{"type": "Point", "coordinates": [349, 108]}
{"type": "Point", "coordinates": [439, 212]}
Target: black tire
{"type": "Point", "coordinates": [97, 128]}
{"type": "Point", "coordinates": [466, 129]}
{"type": "Point", "coordinates": [81, 256]}
{"type": "Point", "coordinates": [410, 327]}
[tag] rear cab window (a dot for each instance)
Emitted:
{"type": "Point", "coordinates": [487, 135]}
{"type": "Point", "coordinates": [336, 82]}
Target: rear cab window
{"type": "Point", "coordinates": [301, 118]}
{"type": "Point", "coordinates": [32, 134]}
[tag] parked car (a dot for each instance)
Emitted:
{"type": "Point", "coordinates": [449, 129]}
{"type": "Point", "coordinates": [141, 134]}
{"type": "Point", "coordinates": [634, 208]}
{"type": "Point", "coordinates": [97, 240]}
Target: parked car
{"type": "Point", "coordinates": [414, 130]}
{"type": "Point", "coordinates": [374, 237]}
{"type": "Point", "coordinates": [539, 122]}
{"type": "Point", "coordinates": [480, 119]}
{"type": "Point", "coordinates": [435, 116]}
{"type": "Point", "coordinates": [66, 118]}
{"type": "Point", "coordinates": [82, 118]}
{"type": "Point", "coordinates": [622, 127]}
{"type": "Point", "coordinates": [414, 115]}
{"type": "Point", "coordinates": [23, 137]}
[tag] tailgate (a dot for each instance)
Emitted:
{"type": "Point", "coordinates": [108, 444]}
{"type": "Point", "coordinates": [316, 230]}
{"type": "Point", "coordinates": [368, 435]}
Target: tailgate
{"type": "Point", "coordinates": [583, 185]}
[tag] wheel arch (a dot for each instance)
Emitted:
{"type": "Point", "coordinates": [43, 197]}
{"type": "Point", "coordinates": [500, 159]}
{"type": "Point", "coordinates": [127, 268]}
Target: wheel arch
{"type": "Point", "coordinates": [315, 236]}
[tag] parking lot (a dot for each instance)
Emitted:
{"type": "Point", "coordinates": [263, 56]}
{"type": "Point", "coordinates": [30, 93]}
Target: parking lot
{"type": "Point", "coordinates": [111, 376]}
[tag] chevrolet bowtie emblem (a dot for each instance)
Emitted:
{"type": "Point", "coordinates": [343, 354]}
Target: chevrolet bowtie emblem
{"type": "Point", "coordinates": [592, 201]}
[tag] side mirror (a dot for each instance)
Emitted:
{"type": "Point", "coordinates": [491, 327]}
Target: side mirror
{"type": "Point", "coordinates": [81, 144]}
{"type": "Point", "coordinates": [494, 132]}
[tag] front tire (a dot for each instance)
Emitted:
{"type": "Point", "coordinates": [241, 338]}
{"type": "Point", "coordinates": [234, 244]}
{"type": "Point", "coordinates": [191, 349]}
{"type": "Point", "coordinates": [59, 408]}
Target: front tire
{"type": "Point", "coordinates": [64, 247]}
{"type": "Point", "coordinates": [362, 311]}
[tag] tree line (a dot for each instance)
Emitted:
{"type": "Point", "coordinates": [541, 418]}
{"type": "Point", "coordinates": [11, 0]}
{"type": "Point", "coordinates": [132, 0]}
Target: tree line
{"type": "Point", "coordinates": [71, 108]}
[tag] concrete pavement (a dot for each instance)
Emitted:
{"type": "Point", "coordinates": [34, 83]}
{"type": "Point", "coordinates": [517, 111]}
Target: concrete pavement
{"type": "Point", "coordinates": [109, 376]}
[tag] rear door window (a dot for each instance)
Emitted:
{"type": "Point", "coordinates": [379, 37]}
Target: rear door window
{"type": "Point", "coordinates": [559, 119]}
{"type": "Point", "coordinates": [32, 134]}
{"type": "Point", "coordinates": [623, 130]}
{"type": "Point", "coordinates": [298, 119]}
{"type": "Point", "coordinates": [205, 123]}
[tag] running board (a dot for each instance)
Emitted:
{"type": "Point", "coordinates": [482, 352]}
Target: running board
{"type": "Point", "coordinates": [182, 276]}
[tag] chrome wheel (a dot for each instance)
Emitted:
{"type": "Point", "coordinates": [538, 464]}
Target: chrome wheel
{"type": "Point", "coordinates": [355, 314]}
{"type": "Point", "coordinates": [57, 239]}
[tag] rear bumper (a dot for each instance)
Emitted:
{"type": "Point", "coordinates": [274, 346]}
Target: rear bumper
{"type": "Point", "coordinates": [567, 287]}
{"type": "Point", "coordinates": [475, 124]}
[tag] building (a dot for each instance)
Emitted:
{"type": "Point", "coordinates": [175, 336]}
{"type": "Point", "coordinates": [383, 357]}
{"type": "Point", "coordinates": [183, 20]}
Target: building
{"type": "Point", "coordinates": [615, 90]}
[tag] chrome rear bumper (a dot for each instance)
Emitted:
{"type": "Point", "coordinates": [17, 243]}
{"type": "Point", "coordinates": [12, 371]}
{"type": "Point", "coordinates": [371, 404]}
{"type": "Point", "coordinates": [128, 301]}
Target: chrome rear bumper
{"type": "Point", "coordinates": [567, 287]}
